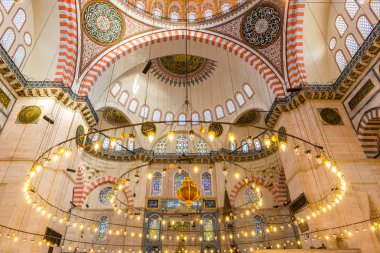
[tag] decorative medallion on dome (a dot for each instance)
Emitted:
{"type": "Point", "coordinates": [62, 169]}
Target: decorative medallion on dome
{"type": "Point", "coordinates": [102, 22]}
{"type": "Point", "coordinates": [148, 128]}
{"type": "Point", "coordinates": [29, 115]}
{"type": "Point", "coordinates": [216, 128]}
{"type": "Point", "coordinates": [79, 135]}
{"type": "Point", "coordinates": [249, 117]}
{"type": "Point", "coordinates": [172, 69]}
{"type": "Point", "coordinates": [330, 116]}
{"type": "Point", "coordinates": [115, 117]}
{"type": "Point", "coordinates": [262, 26]}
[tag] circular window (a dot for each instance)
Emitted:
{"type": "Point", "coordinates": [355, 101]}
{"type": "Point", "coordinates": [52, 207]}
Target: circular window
{"type": "Point", "coordinates": [332, 43]}
{"type": "Point", "coordinates": [106, 195]}
{"type": "Point", "coordinates": [28, 39]}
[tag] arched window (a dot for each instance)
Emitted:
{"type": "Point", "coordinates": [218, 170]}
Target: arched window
{"type": "Point", "coordinates": [225, 7]}
{"type": "Point", "coordinates": [230, 106]}
{"type": "Point", "coordinates": [7, 4]}
{"type": "Point", "coordinates": [178, 179]}
{"type": "Point", "coordinates": [102, 230]}
{"type": "Point", "coordinates": [208, 227]}
{"type": "Point", "coordinates": [219, 112]}
{"type": "Point", "coordinates": [169, 117]}
{"type": "Point", "coordinates": [95, 137]}
{"type": "Point", "coordinates": [201, 147]}
{"type": "Point", "coordinates": [340, 25]}
{"type": "Point", "coordinates": [154, 228]}
{"type": "Point", "coordinates": [192, 16]}
{"type": "Point", "coordinates": [161, 147]}
{"type": "Point", "coordinates": [239, 98]}
{"type": "Point", "coordinates": [332, 43]}
{"type": "Point", "coordinates": [259, 227]}
{"type": "Point", "coordinates": [257, 144]}
{"type": "Point", "coordinates": [1, 18]}
{"type": "Point", "coordinates": [195, 118]}
{"type": "Point", "coordinates": [19, 19]}
{"type": "Point", "coordinates": [207, 115]}
{"type": "Point", "coordinates": [118, 146]}
{"type": "Point", "coordinates": [105, 195]}
{"type": "Point", "coordinates": [174, 16]}
{"type": "Point", "coordinates": [364, 26]}
{"type": "Point", "coordinates": [208, 14]}
{"type": "Point", "coordinates": [340, 60]}
{"type": "Point", "coordinates": [115, 89]}
{"type": "Point", "coordinates": [375, 7]}
{"type": "Point", "coordinates": [8, 39]}
{"type": "Point", "coordinates": [140, 5]}
{"type": "Point", "coordinates": [181, 119]}
{"type": "Point", "coordinates": [156, 115]}
{"type": "Point", "coordinates": [206, 184]}
{"type": "Point", "coordinates": [123, 98]}
{"type": "Point", "coordinates": [351, 44]}
{"type": "Point", "coordinates": [19, 55]}
{"type": "Point", "coordinates": [182, 145]}
{"type": "Point", "coordinates": [27, 38]}
{"type": "Point", "coordinates": [232, 146]}
{"type": "Point", "coordinates": [156, 184]}
{"type": "Point", "coordinates": [244, 146]}
{"type": "Point", "coordinates": [351, 7]}
{"type": "Point", "coordinates": [248, 90]}
{"type": "Point", "coordinates": [133, 105]}
{"type": "Point", "coordinates": [144, 112]}
{"type": "Point", "coordinates": [131, 144]}
{"type": "Point", "coordinates": [106, 143]}
{"type": "Point", "coordinates": [157, 12]}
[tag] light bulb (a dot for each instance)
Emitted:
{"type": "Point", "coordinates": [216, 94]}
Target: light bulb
{"type": "Point", "coordinates": [249, 140]}
{"type": "Point", "coordinates": [211, 135]}
{"type": "Point", "coordinates": [237, 175]}
{"type": "Point", "coordinates": [32, 172]}
{"type": "Point", "coordinates": [171, 136]}
{"type": "Point", "coordinates": [319, 159]}
{"type": "Point", "coordinates": [245, 180]}
{"type": "Point", "coordinates": [225, 171]}
{"type": "Point", "coordinates": [274, 138]}
{"type": "Point", "coordinates": [38, 167]}
{"type": "Point", "coordinates": [68, 152]}
{"type": "Point", "coordinates": [55, 156]}
{"type": "Point", "coordinates": [150, 175]}
{"type": "Point", "coordinates": [96, 145]}
{"type": "Point", "coordinates": [308, 153]}
{"type": "Point", "coordinates": [196, 168]}
{"type": "Point", "coordinates": [231, 137]}
{"type": "Point", "coordinates": [282, 145]}
{"type": "Point", "coordinates": [132, 137]}
{"type": "Point", "coordinates": [61, 150]}
{"type": "Point", "coordinates": [210, 169]}
{"type": "Point", "coordinates": [201, 129]}
{"type": "Point", "coordinates": [151, 136]}
{"type": "Point", "coordinates": [191, 134]}
{"type": "Point", "coordinates": [296, 149]}
{"type": "Point", "coordinates": [113, 142]}
{"type": "Point", "coordinates": [328, 164]}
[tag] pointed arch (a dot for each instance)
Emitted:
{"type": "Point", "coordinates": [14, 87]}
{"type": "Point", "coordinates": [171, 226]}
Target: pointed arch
{"type": "Point", "coordinates": [109, 57]}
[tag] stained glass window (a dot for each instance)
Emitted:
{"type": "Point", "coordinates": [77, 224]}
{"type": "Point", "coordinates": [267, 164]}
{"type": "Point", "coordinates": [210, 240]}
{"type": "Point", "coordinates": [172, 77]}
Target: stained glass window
{"type": "Point", "coordinates": [182, 145]}
{"type": "Point", "coordinates": [257, 144]}
{"type": "Point", "coordinates": [161, 147]}
{"type": "Point", "coordinates": [154, 226]}
{"type": "Point", "coordinates": [364, 26]}
{"type": "Point", "coordinates": [118, 146]}
{"type": "Point", "coordinates": [240, 99]}
{"type": "Point", "coordinates": [248, 90]}
{"type": "Point", "coordinates": [156, 184]}
{"type": "Point", "coordinates": [103, 223]}
{"type": "Point", "coordinates": [259, 227]}
{"type": "Point", "coordinates": [178, 178]}
{"type": "Point", "coordinates": [340, 25]}
{"type": "Point", "coordinates": [106, 143]}
{"type": "Point", "coordinates": [195, 118]}
{"type": "Point", "coordinates": [105, 195]}
{"type": "Point", "coordinates": [19, 19]}
{"type": "Point", "coordinates": [206, 184]}
{"type": "Point", "coordinates": [201, 147]}
{"type": "Point", "coordinates": [8, 39]}
{"type": "Point", "coordinates": [156, 115]}
{"type": "Point", "coordinates": [244, 146]}
{"type": "Point", "coordinates": [230, 106]}
{"type": "Point", "coordinates": [251, 195]}
{"type": "Point", "coordinates": [208, 228]}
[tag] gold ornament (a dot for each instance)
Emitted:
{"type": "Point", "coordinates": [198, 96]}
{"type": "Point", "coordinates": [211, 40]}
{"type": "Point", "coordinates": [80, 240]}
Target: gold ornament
{"type": "Point", "coordinates": [188, 192]}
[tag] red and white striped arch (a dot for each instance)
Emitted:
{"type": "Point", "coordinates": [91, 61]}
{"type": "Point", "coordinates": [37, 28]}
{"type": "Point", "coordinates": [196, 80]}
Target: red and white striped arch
{"type": "Point", "coordinates": [91, 75]}
{"type": "Point", "coordinates": [294, 43]}
{"type": "Point", "coordinates": [278, 191]}
{"type": "Point", "coordinates": [82, 191]}
{"type": "Point", "coordinates": [68, 48]}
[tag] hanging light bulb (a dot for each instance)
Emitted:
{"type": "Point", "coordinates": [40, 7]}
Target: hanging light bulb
{"type": "Point", "coordinates": [328, 164]}
{"type": "Point", "coordinates": [308, 153]}
{"type": "Point", "coordinates": [137, 178]}
{"type": "Point", "coordinates": [56, 156]}
{"type": "Point", "coordinates": [237, 175]}
{"type": "Point", "coordinates": [164, 171]}
{"type": "Point", "coordinates": [68, 152]}
{"type": "Point", "coordinates": [61, 150]}
{"type": "Point", "coordinates": [296, 149]}
{"type": "Point", "coordinates": [32, 172]}
{"type": "Point", "coordinates": [267, 141]}
{"type": "Point", "coordinates": [225, 171]}
{"type": "Point", "coordinates": [191, 134]}
{"type": "Point", "coordinates": [132, 137]}
{"type": "Point", "coordinates": [282, 145]}
{"type": "Point", "coordinates": [201, 129]}
{"type": "Point", "coordinates": [245, 180]}
{"type": "Point", "coordinates": [38, 167]}
{"type": "Point", "coordinates": [151, 136]}
{"type": "Point", "coordinates": [274, 138]}
{"type": "Point", "coordinates": [96, 145]}
{"type": "Point", "coordinates": [210, 169]}
{"type": "Point", "coordinates": [231, 137]}
{"type": "Point", "coordinates": [211, 135]}
{"type": "Point", "coordinates": [123, 135]}
{"type": "Point", "coordinates": [196, 168]}
{"type": "Point", "coordinates": [150, 175]}
{"type": "Point", "coordinates": [171, 136]}
{"type": "Point", "coordinates": [113, 142]}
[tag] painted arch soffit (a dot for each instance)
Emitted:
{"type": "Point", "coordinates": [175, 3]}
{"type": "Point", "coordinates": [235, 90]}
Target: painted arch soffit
{"type": "Point", "coordinates": [261, 29]}
{"type": "Point", "coordinates": [103, 26]}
